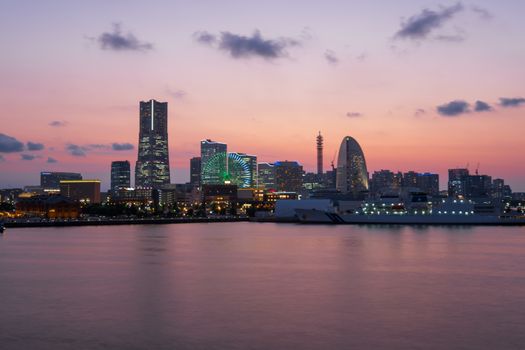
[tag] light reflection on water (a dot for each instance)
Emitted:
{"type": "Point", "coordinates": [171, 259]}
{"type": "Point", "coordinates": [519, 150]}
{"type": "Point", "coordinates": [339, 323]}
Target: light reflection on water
{"type": "Point", "coordinates": [262, 286]}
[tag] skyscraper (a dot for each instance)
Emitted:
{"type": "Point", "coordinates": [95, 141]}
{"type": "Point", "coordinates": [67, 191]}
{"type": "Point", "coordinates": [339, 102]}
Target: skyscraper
{"type": "Point", "coordinates": [352, 176]}
{"type": "Point", "coordinates": [319, 154]}
{"type": "Point", "coordinates": [266, 176]}
{"type": "Point", "coordinates": [153, 164]}
{"type": "Point", "coordinates": [120, 175]}
{"type": "Point", "coordinates": [195, 171]}
{"type": "Point", "coordinates": [214, 163]}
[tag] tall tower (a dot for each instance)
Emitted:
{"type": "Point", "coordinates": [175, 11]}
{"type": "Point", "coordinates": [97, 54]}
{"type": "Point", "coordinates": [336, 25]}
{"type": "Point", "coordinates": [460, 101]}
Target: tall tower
{"type": "Point", "coordinates": [319, 154]}
{"type": "Point", "coordinates": [153, 164]}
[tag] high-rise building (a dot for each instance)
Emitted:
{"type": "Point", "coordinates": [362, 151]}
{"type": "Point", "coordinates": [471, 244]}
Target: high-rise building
{"type": "Point", "coordinates": [153, 164]}
{"type": "Point", "coordinates": [457, 182]}
{"type": "Point", "coordinates": [352, 175]}
{"type": "Point", "coordinates": [479, 186]}
{"type": "Point", "coordinates": [195, 171]}
{"type": "Point", "coordinates": [120, 174]}
{"type": "Point", "coordinates": [266, 176]}
{"type": "Point", "coordinates": [214, 163]}
{"type": "Point", "coordinates": [385, 181]}
{"type": "Point", "coordinates": [85, 191]}
{"type": "Point", "coordinates": [319, 154]}
{"type": "Point", "coordinates": [428, 183]}
{"type": "Point", "coordinates": [50, 181]}
{"type": "Point", "coordinates": [242, 170]}
{"type": "Point", "coordinates": [288, 176]}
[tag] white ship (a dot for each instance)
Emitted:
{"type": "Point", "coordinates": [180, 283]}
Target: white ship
{"type": "Point", "coordinates": [448, 212]}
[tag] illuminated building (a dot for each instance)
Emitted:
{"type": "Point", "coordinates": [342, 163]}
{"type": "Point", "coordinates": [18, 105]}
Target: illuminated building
{"type": "Point", "coordinates": [266, 176]}
{"type": "Point", "coordinates": [51, 207]}
{"type": "Point", "coordinates": [214, 165]}
{"type": "Point", "coordinates": [288, 176]}
{"type": "Point", "coordinates": [152, 169]}
{"type": "Point", "coordinates": [120, 175]}
{"type": "Point", "coordinates": [385, 181]}
{"type": "Point", "coordinates": [85, 191]}
{"type": "Point", "coordinates": [242, 170]}
{"type": "Point", "coordinates": [50, 181]}
{"type": "Point", "coordinates": [195, 171]}
{"type": "Point", "coordinates": [352, 176]}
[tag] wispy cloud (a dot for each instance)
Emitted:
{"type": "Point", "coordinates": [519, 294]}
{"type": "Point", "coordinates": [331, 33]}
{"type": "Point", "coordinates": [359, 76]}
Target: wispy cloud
{"type": "Point", "coordinates": [57, 123]}
{"type": "Point", "coordinates": [482, 12]}
{"type": "Point", "coordinates": [122, 146]}
{"type": "Point", "coordinates": [51, 160]}
{"type": "Point", "coordinates": [117, 40]}
{"type": "Point", "coordinates": [420, 26]}
{"type": "Point", "coordinates": [481, 106]}
{"type": "Point", "coordinates": [176, 94]}
{"type": "Point", "coordinates": [453, 108]}
{"type": "Point", "coordinates": [27, 157]}
{"type": "Point", "coordinates": [76, 150]}
{"type": "Point", "coordinates": [34, 146]}
{"type": "Point", "coordinates": [354, 114]}
{"type": "Point", "coordinates": [511, 101]}
{"type": "Point", "coordinates": [241, 46]}
{"type": "Point", "coordinates": [9, 144]}
{"type": "Point", "coordinates": [331, 57]}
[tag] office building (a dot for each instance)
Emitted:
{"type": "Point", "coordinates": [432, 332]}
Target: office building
{"type": "Point", "coordinates": [152, 169]}
{"type": "Point", "coordinates": [266, 176]}
{"type": "Point", "coordinates": [84, 191]}
{"type": "Point", "coordinates": [214, 164]}
{"type": "Point", "coordinates": [457, 182]}
{"type": "Point", "coordinates": [120, 175]}
{"type": "Point", "coordinates": [195, 171]}
{"type": "Point", "coordinates": [288, 176]}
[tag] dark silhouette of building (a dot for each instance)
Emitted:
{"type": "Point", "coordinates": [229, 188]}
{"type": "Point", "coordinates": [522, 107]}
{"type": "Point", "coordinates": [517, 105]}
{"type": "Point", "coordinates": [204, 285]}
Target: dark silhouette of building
{"type": "Point", "coordinates": [153, 165]}
{"type": "Point", "coordinates": [195, 171]}
{"type": "Point", "coordinates": [457, 182]}
{"type": "Point", "coordinates": [120, 175]}
{"type": "Point", "coordinates": [50, 180]}
{"type": "Point", "coordinates": [319, 154]}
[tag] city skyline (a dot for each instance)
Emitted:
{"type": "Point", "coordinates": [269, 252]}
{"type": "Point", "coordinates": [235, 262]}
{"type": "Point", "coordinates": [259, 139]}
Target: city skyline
{"type": "Point", "coordinates": [415, 100]}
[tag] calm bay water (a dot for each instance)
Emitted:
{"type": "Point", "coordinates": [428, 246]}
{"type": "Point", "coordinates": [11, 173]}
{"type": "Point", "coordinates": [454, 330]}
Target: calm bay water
{"type": "Point", "coordinates": [262, 286]}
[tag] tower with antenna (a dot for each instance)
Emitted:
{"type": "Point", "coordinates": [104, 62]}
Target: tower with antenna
{"type": "Point", "coordinates": [319, 154]}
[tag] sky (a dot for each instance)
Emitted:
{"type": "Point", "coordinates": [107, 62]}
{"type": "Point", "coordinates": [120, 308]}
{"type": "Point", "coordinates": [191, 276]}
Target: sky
{"type": "Point", "coordinates": [421, 85]}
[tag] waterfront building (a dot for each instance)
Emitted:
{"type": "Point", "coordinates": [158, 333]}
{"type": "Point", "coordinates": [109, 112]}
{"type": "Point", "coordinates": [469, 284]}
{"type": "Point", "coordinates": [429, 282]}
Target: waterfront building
{"type": "Point", "coordinates": [288, 176]}
{"type": "Point", "coordinates": [50, 207]}
{"type": "Point", "coordinates": [120, 174]}
{"type": "Point", "coordinates": [152, 169]}
{"type": "Point", "coordinates": [500, 190]}
{"type": "Point", "coordinates": [266, 176]}
{"type": "Point", "coordinates": [214, 164]}
{"type": "Point", "coordinates": [195, 171]}
{"type": "Point", "coordinates": [84, 191]}
{"type": "Point", "coordinates": [50, 180]}
{"type": "Point", "coordinates": [352, 175]}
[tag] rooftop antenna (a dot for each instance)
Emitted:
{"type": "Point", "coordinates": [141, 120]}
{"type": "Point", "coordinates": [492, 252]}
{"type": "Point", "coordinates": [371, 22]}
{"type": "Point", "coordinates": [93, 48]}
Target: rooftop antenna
{"type": "Point", "coordinates": [477, 169]}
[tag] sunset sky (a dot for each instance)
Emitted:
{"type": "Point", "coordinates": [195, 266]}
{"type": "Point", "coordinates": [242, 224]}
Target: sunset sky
{"type": "Point", "coordinates": [421, 85]}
